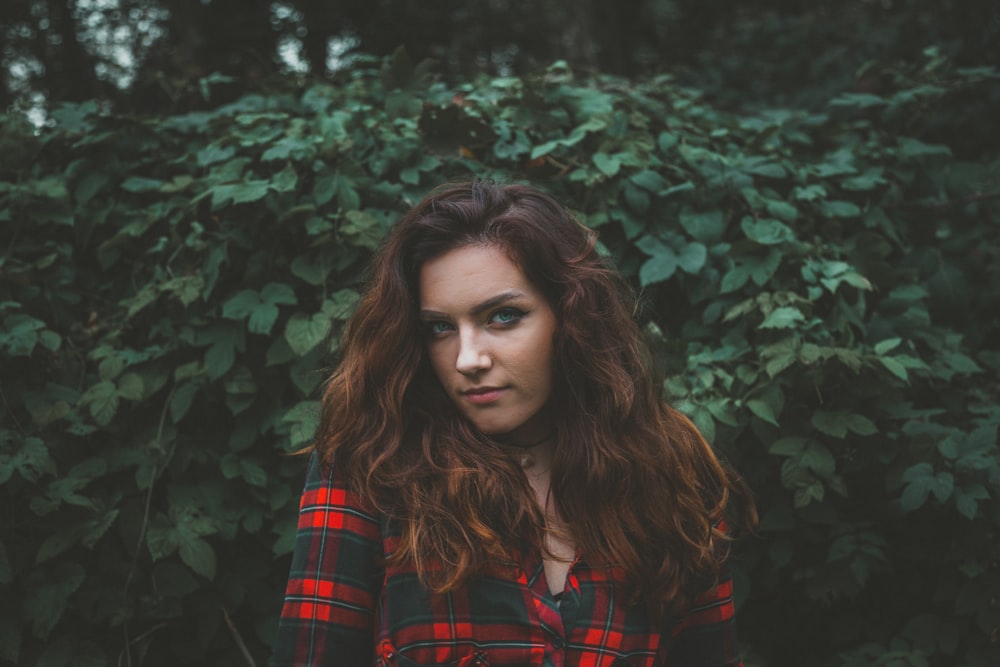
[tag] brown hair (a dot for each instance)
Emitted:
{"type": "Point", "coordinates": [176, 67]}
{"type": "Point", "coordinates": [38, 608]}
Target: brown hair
{"type": "Point", "coordinates": [637, 485]}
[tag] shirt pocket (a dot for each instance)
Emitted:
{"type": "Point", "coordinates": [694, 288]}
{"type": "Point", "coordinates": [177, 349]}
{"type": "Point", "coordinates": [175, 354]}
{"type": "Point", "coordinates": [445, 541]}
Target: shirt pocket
{"type": "Point", "coordinates": [389, 657]}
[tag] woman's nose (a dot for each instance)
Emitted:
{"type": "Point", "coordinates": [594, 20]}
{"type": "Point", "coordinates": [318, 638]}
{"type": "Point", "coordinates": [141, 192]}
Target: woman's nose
{"type": "Point", "coordinates": [472, 356]}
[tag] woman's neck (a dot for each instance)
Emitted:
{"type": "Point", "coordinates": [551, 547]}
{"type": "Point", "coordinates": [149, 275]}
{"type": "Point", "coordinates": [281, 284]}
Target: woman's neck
{"type": "Point", "coordinates": [534, 455]}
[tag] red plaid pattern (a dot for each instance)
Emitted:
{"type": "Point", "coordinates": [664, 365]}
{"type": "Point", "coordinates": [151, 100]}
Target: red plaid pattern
{"type": "Point", "coordinates": [343, 608]}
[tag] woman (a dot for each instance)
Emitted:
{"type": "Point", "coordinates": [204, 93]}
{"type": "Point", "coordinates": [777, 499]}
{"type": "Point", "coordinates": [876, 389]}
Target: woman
{"type": "Point", "coordinates": [496, 479]}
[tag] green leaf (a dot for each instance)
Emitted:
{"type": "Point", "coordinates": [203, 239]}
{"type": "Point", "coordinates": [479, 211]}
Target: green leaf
{"type": "Point", "coordinates": [245, 192]}
{"type": "Point", "coordinates": [304, 332]}
{"type": "Point", "coordinates": [31, 460]}
{"type": "Point", "coordinates": [780, 355]}
{"type": "Point", "coordinates": [766, 231]}
{"type": "Point", "coordinates": [839, 209]}
{"type": "Point", "coordinates": [304, 374]}
{"type": "Point", "coordinates": [915, 494]}
{"type": "Point", "coordinates": [638, 200]}
{"type": "Point", "coordinates": [918, 471]}
{"type": "Point", "coordinates": [130, 387]}
{"type": "Point", "coordinates": [181, 400]}
{"type": "Point", "coordinates": [765, 168]}
{"type": "Point", "coordinates": [860, 424]}
{"type": "Point", "coordinates": [361, 229]}
{"type": "Point", "coordinates": [966, 505]}
{"type": "Point", "coordinates": [219, 358]}
{"type": "Point", "coordinates": [241, 305]}
{"type": "Point", "coordinates": [818, 458]}
{"type": "Point", "coordinates": [910, 148]}
{"type": "Point", "coordinates": [262, 308]}
{"type": "Point", "coordinates": [658, 268]}
{"type": "Point", "coordinates": [214, 153]}
{"type": "Point", "coordinates": [692, 258]}
{"type": "Point", "coordinates": [864, 182]}
{"type": "Point", "coordinates": [545, 148]}
{"type": "Point", "coordinates": [241, 382]}
{"type": "Point", "coordinates": [110, 367]}
{"type": "Point", "coordinates": [140, 184]}
{"type": "Point", "coordinates": [782, 318]}
{"type": "Point", "coordinates": [229, 465]}
{"type": "Point", "coordinates": [198, 555]}
{"type": "Point", "coordinates": [806, 494]}
{"type": "Point", "coordinates": [830, 423]}
{"type": "Point", "coordinates": [102, 400]}
{"type": "Point", "coordinates": [666, 141]}
{"type": "Point", "coordinates": [944, 484]}
{"type": "Point", "coordinates": [92, 182]}
{"type": "Point", "coordinates": [789, 446]}
{"type": "Point", "coordinates": [857, 101]}
{"type": "Point", "coordinates": [20, 334]}
{"type": "Point", "coordinates": [87, 534]}
{"type": "Point", "coordinates": [310, 268]}
{"type": "Point", "coordinates": [810, 192]}
{"type": "Point", "coordinates": [252, 473]}
{"type": "Point", "coordinates": [50, 595]}
{"type": "Point", "coordinates": [325, 188]}
{"type": "Point", "coordinates": [262, 319]}
{"type": "Point", "coordinates": [960, 363]}
{"type": "Point", "coordinates": [706, 227]}
{"type": "Point", "coordinates": [895, 368]}
{"type": "Point", "coordinates": [734, 279]}
{"type": "Point", "coordinates": [278, 293]}
{"type": "Point", "coordinates": [967, 497]}
{"type": "Point", "coordinates": [782, 210]}
{"type": "Point", "coordinates": [887, 345]}
{"type": "Point", "coordinates": [347, 194]}
{"type": "Point", "coordinates": [50, 340]}
{"type": "Point", "coordinates": [763, 410]}
{"type": "Point", "coordinates": [762, 268]}
{"type": "Point", "coordinates": [723, 410]}
{"type": "Point", "coordinates": [948, 449]}
{"type": "Point", "coordinates": [304, 420]}
{"type": "Point", "coordinates": [648, 179]}
{"type": "Point", "coordinates": [919, 479]}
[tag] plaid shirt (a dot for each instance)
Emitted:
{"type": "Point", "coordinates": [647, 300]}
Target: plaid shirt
{"type": "Point", "coordinates": [342, 607]}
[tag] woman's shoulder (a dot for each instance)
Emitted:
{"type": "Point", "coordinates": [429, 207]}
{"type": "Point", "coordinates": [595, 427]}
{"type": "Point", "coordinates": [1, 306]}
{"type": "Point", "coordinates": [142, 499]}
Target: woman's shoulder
{"type": "Point", "coordinates": [326, 485]}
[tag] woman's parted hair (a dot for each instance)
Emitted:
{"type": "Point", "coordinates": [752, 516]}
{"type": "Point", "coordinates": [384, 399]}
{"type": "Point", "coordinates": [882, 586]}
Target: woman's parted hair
{"type": "Point", "coordinates": [637, 485]}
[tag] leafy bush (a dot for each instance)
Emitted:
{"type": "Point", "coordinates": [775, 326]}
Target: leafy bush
{"type": "Point", "coordinates": [820, 287]}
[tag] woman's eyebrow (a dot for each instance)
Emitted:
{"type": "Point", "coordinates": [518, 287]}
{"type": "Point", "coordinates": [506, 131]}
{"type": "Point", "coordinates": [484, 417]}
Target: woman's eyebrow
{"type": "Point", "coordinates": [492, 302]}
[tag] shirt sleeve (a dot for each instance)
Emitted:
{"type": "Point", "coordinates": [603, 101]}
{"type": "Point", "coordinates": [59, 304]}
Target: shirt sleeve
{"type": "Point", "coordinates": [335, 579]}
{"type": "Point", "coordinates": [706, 635]}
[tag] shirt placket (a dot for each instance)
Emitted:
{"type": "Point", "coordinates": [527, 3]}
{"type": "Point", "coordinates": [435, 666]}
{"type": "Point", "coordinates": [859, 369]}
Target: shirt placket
{"type": "Point", "coordinates": [550, 612]}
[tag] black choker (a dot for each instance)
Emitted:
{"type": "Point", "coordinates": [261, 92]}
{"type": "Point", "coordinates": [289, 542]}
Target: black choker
{"type": "Point", "coordinates": [528, 446]}
{"type": "Point", "coordinates": [524, 457]}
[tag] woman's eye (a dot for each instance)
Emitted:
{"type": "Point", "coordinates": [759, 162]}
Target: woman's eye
{"type": "Point", "coordinates": [437, 328]}
{"type": "Point", "coordinates": [506, 316]}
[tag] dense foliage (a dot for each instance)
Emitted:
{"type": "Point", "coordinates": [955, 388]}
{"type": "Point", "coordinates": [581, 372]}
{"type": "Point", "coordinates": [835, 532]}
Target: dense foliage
{"type": "Point", "coordinates": [150, 54]}
{"type": "Point", "coordinates": [821, 288]}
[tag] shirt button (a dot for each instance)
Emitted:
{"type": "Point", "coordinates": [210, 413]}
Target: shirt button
{"type": "Point", "coordinates": [558, 642]}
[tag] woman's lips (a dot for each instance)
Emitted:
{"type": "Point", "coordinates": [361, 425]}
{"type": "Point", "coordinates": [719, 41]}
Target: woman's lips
{"type": "Point", "coordinates": [483, 395]}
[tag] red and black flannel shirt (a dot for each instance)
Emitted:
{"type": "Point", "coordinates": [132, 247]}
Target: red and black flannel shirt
{"type": "Point", "coordinates": [343, 608]}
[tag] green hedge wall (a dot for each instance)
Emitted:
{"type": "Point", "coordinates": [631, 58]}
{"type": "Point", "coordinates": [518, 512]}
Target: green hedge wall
{"type": "Point", "coordinates": [822, 288]}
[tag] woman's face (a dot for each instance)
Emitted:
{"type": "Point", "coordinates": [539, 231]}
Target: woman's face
{"type": "Point", "coordinates": [489, 335]}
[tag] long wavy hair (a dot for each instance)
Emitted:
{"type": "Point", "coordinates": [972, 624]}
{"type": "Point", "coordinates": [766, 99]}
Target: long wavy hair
{"type": "Point", "coordinates": [637, 486]}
